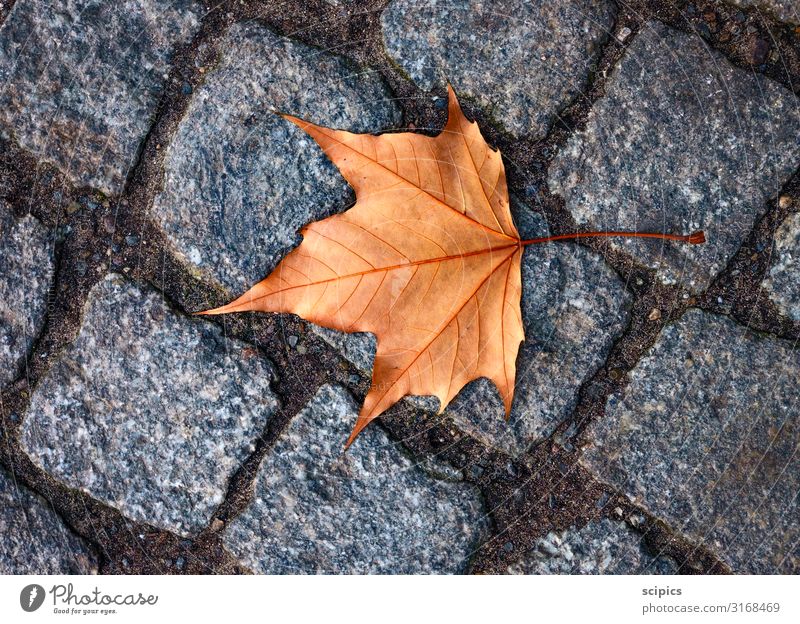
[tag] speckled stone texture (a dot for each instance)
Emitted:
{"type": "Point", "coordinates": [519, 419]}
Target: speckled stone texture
{"type": "Point", "coordinates": [602, 547]}
{"type": "Point", "coordinates": [783, 281]}
{"type": "Point", "coordinates": [240, 181]}
{"type": "Point", "coordinates": [26, 270]}
{"type": "Point", "coordinates": [706, 435]}
{"type": "Point", "coordinates": [147, 410]}
{"type": "Point", "coordinates": [80, 79]}
{"type": "Point", "coordinates": [34, 540]}
{"type": "Point", "coordinates": [370, 510]}
{"type": "Point", "coordinates": [523, 61]}
{"type": "Point", "coordinates": [681, 141]}
{"type": "Point", "coordinates": [786, 10]}
{"type": "Point", "coordinates": [573, 308]}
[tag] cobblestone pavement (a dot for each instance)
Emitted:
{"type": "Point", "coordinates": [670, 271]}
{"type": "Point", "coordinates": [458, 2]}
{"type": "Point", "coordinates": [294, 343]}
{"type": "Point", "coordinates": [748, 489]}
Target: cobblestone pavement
{"type": "Point", "coordinates": [144, 177]}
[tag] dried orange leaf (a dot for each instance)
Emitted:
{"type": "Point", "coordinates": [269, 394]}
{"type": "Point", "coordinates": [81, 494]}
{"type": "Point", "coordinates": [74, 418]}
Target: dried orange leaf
{"type": "Point", "coordinates": [428, 260]}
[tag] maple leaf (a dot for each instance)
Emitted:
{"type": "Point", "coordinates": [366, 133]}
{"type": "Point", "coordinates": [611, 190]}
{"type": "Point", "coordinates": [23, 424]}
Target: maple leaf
{"type": "Point", "coordinates": [428, 260]}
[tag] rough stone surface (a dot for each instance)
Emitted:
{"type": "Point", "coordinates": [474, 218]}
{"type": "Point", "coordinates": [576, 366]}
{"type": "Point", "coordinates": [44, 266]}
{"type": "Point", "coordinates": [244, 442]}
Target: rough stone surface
{"type": "Point", "coordinates": [240, 181]}
{"type": "Point", "coordinates": [26, 270]}
{"type": "Point", "coordinates": [783, 282]}
{"type": "Point", "coordinates": [573, 308]}
{"type": "Point", "coordinates": [706, 437]}
{"type": "Point", "coordinates": [81, 79]}
{"type": "Point", "coordinates": [681, 141]}
{"type": "Point", "coordinates": [359, 348]}
{"type": "Point", "coordinates": [522, 61]}
{"type": "Point", "coordinates": [787, 10]}
{"type": "Point", "coordinates": [371, 510]}
{"type": "Point", "coordinates": [603, 547]}
{"type": "Point", "coordinates": [34, 540]}
{"type": "Point", "coordinates": [147, 411]}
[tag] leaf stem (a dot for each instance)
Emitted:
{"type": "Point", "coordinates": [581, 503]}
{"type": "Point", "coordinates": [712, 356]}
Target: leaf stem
{"type": "Point", "coordinates": [695, 238]}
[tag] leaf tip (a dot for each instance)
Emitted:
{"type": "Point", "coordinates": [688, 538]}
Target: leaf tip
{"type": "Point", "coordinates": [359, 426]}
{"type": "Point", "coordinates": [228, 307]}
{"type": "Point", "coordinates": [452, 100]}
{"type": "Point", "coordinates": [300, 123]}
{"type": "Point", "coordinates": [365, 417]}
